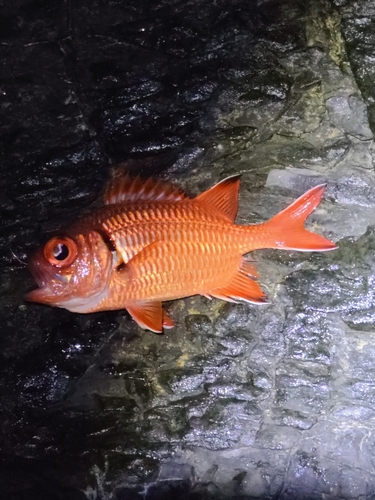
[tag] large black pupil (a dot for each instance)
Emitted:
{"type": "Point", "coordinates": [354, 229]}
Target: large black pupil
{"type": "Point", "coordinates": [60, 251]}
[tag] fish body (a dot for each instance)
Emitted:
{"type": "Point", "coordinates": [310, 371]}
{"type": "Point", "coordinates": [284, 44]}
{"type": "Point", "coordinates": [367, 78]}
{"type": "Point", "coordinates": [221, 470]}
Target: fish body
{"type": "Point", "coordinates": [150, 242]}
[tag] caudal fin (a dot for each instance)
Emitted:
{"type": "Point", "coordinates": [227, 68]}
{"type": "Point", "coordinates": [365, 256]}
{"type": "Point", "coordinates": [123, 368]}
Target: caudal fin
{"type": "Point", "coordinates": [287, 227]}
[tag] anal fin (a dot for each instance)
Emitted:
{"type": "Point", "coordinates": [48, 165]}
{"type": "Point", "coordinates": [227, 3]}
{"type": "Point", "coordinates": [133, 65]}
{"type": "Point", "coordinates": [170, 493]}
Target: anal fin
{"type": "Point", "coordinates": [167, 321]}
{"type": "Point", "coordinates": [150, 315]}
{"type": "Point", "coordinates": [249, 269]}
{"type": "Point", "coordinates": [241, 286]}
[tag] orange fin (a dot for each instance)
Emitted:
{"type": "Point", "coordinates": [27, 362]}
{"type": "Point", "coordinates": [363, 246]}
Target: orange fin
{"type": "Point", "coordinates": [148, 257]}
{"type": "Point", "coordinates": [123, 189]}
{"type": "Point", "coordinates": [223, 196]}
{"type": "Point", "coordinates": [287, 227]}
{"type": "Point", "coordinates": [167, 321]}
{"type": "Point", "coordinates": [241, 287]}
{"type": "Point", "coordinates": [149, 315]}
{"type": "Point", "coordinates": [249, 269]}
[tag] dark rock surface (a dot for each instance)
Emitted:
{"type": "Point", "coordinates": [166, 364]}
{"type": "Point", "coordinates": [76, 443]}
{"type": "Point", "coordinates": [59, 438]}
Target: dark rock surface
{"type": "Point", "coordinates": [236, 401]}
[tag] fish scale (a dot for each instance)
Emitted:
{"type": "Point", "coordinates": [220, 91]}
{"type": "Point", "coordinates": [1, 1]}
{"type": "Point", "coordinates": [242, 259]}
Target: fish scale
{"type": "Point", "coordinates": [182, 263]}
{"type": "Point", "coordinates": [150, 242]}
{"type": "Point", "coordinates": [131, 234]}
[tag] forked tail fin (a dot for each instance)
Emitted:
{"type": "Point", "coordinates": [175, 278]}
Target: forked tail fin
{"type": "Point", "coordinates": [286, 229]}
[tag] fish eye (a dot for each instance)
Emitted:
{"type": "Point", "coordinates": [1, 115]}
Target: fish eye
{"type": "Point", "coordinates": [60, 251]}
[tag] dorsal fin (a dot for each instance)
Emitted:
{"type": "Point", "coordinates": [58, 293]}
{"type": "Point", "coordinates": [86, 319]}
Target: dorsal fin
{"type": "Point", "coordinates": [124, 188]}
{"type": "Point", "coordinates": [223, 196]}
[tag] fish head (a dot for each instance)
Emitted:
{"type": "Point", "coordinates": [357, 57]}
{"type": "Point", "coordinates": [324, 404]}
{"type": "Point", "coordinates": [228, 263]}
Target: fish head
{"type": "Point", "coordinates": [72, 271]}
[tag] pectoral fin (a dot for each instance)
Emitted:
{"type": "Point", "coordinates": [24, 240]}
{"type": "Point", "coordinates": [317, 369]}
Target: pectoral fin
{"type": "Point", "coordinates": [150, 315]}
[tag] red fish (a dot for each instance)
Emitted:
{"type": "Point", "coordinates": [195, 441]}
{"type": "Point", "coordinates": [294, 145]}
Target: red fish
{"type": "Point", "coordinates": [150, 242]}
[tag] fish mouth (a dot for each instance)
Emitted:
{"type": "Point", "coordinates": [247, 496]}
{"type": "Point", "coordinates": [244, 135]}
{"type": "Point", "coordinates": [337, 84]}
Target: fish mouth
{"type": "Point", "coordinates": [45, 292]}
{"type": "Point", "coordinates": [37, 294]}
{"type": "Point", "coordinates": [42, 295]}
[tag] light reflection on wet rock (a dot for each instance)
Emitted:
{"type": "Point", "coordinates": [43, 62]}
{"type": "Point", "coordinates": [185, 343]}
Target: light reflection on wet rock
{"type": "Point", "coordinates": [237, 401]}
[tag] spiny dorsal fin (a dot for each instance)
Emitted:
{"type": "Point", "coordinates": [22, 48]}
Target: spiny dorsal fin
{"type": "Point", "coordinates": [123, 188]}
{"type": "Point", "coordinates": [223, 196]}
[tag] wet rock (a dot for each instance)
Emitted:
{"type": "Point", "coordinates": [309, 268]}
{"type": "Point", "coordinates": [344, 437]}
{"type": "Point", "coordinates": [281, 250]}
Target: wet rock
{"type": "Point", "coordinates": [237, 401]}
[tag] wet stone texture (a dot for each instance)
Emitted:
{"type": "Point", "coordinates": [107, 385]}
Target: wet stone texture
{"type": "Point", "coordinates": [237, 401]}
